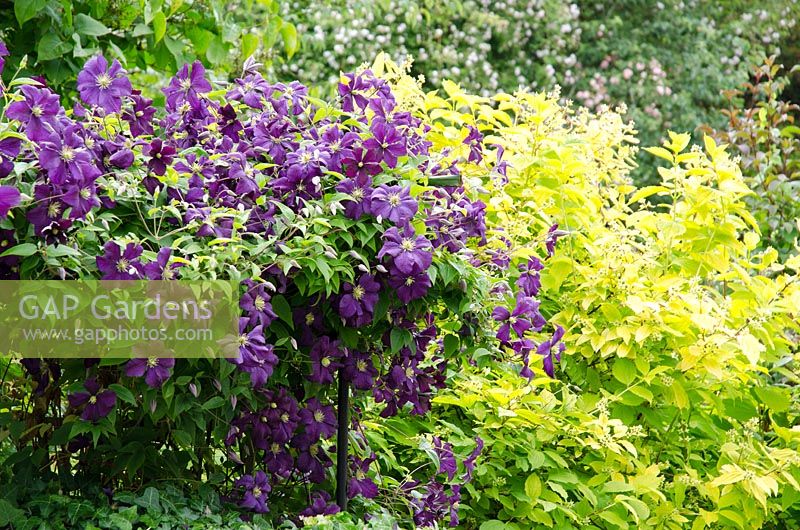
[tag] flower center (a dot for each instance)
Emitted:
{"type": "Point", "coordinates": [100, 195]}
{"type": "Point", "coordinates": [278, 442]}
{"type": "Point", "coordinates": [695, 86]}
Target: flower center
{"type": "Point", "coordinates": [152, 362]}
{"type": "Point", "coordinates": [67, 153]}
{"type": "Point", "coordinates": [103, 81]}
{"type": "Point", "coordinates": [314, 449]}
{"type": "Point", "coordinates": [385, 145]}
{"type": "Point", "coordinates": [86, 193]}
{"type": "Point", "coordinates": [361, 366]}
{"type": "Point", "coordinates": [409, 371]}
{"type": "Point", "coordinates": [285, 418]}
{"type": "Point", "coordinates": [256, 491]}
{"type": "Point", "coordinates": [408, 244]}
{"type": "Point", "coordinates": [93, 400]}
{"type": "Point", "coordinates": [409, 281]}
{"type": "Point", "coordinates": [244, 340]}
{"type": "Point", "coordinates": [394, 199]}
{"type": "Point", "coordinates": [358, 292]}
{"type": "Point", "coordinates": [319, 416]}
{"type": "Point", "coordinates": [260, 303]}
{"type": "Point", "coordinates": [325, 361]}
{"type": "Point", "coordinates": [186, 84]}
{"type": "Point", "coordinates": [197, 168]}
{"type": "Point", "coordinates": [54, 210]}
{"type": "Point", "coordinates": [37, 111]}
{"type": "Point", "coordinates": [358, 194]}
{"type": "Point", "coordinates": [305, 158]}
{"type": "Point", "coordinates": [249, 86]}
{"type": "Point", "coordinates": [123, 265]}
{"type": "Point", "coordinates": [360, 475]}
{"type": "Point", "coordinates": [309, 319]}
{"type": "Point", "coordinates": [167, 274]}
{"type": "Point", "coordinates": [275, 448]}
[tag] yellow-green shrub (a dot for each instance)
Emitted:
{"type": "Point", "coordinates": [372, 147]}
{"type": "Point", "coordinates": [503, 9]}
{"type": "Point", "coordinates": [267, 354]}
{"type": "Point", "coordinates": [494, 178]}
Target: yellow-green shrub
{"type": "Point", "coordinates": [675, 403]}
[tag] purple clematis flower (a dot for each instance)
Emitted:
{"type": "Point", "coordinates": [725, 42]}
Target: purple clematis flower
{"type": "Point", "coordinates": [98, 403]}
{"type": "Point", "coordinates": [278, 460]}
{"type": "Point", "coordinates": [81, 196]}
{"type": "Point", "coordinates": [252, 90]}
{"type": "Point", "coordinates": [160, 269]}
{"type": "Point", "coordinates": [3, 55]}
{"type": "Point", "coordinates": [409, 286]}
{"type": "Point", "coordinates": [394, 203]}
{"type": "Point", "coordinates": [256, 304]}
{"type": "Point", "coordinates": [360, 483]}
{"type": "Point", "coordinates": [255, 489]}
{"type": "Point", "coordinates": [360, 191]}
{"type": "Point", "coordinates": [525, 316]}
{"type": "Point", "coordinates": [551, 239]}
{"type": "Point", "coordinates": [187, 86]}
{"type": "Point", "coordinates": [319, 420]}
{"type": "Point", "coordinates": [529, 281]}
{"type": "Point", "coordinates": [39, 111]}
{"type": "Point", "coordinates": [9, 198]}
{"type": "Point", "coordinates": [256, 357]}
{"type": "Point", "coordinates": [103, 86]}
{"type": "Point", "coordinates": [140, 115]}
{"type": "Point", "coordinates": [387, 142]}
{"type": "Point", "coordinates": [360, 370]}
{"type": "Point", "coordinates": [409, 252]}
{"type": "Point", "coordinates": [469, 462]}
{"type": "Point", "coordinates": [161, 156]}
{"type": "Point", "coordinates": [326, 357]}
{"type": "Point", "coordinates": [155, 370]}
{"type": "Point", "coordinates": [311, 458]}
{"type": "Point", "coordinates": [65, 158]}
{"type": "Point", "coordinates": [358, 301]}
{"type": "Point", "coordinates": [320, 505]}
{"type": "Point", "coordinates": [546, 350]}
{"type": "Point", "coordinates": [362, 164]}
{"type": "Point", "coordinates": [116, 264]}
{"type": "Point", "coordinates": [475, 142]}
{"type": "Point", "coordinates": [447, 460]}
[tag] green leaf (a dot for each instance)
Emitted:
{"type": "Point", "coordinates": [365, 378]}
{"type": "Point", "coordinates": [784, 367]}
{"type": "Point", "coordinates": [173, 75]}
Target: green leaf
{"type": "Point", "coordinates": [86, 25]}
{"type": "Point", "coordinates": [451, 344]}
{"type": "Point", "coordinates": [123, 393]}
{"type": "Point", "coordinates": [25, 10]}
{"type": "Point", "coordinates": [777, 399]}
{"type": "Point", "coordinates": [533, 486]}
{"type": "Point", "coordinates": [159, 26]}
{"type": "Point", "coordinates": [214, 403]}
{"type": "Point", "coordinates": [249, 44]}
{"type": "Point", "coordinates": [282, 309]}
{"type": "Point", "coordinates": [624, 371]}
{"type": "Point", "coordinates": [149, 500]}
{"type": "Point", "coordinates": [52, 47]}
{"type": "Point", "coordinates": [25, 249]}
{"type": "Point", "coordinates": [217, 52]}
{"type": "Point", "coordinates": [493, 524]}
{"type": "Point", "coordinates": [290, 42]}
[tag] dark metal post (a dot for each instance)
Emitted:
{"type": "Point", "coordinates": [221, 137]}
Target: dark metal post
{"type": "Point", "coordinates": [341, 441]}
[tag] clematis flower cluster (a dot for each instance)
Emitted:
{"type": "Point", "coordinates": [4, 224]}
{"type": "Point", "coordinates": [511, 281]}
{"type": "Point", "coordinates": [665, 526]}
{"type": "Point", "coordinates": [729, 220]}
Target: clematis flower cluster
{"type": "Point", "coordinates": [228, 185]}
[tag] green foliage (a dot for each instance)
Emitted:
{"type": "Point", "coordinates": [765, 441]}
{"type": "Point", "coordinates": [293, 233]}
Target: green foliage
{"type": "Point", "coordinates": [762, 131]}
{"type": "Point", "coordinates": [57, 36]}
{"type": "Point", "coordinates": [163, 508]}
{"type": "Point", "coordinates": [676, 407]}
